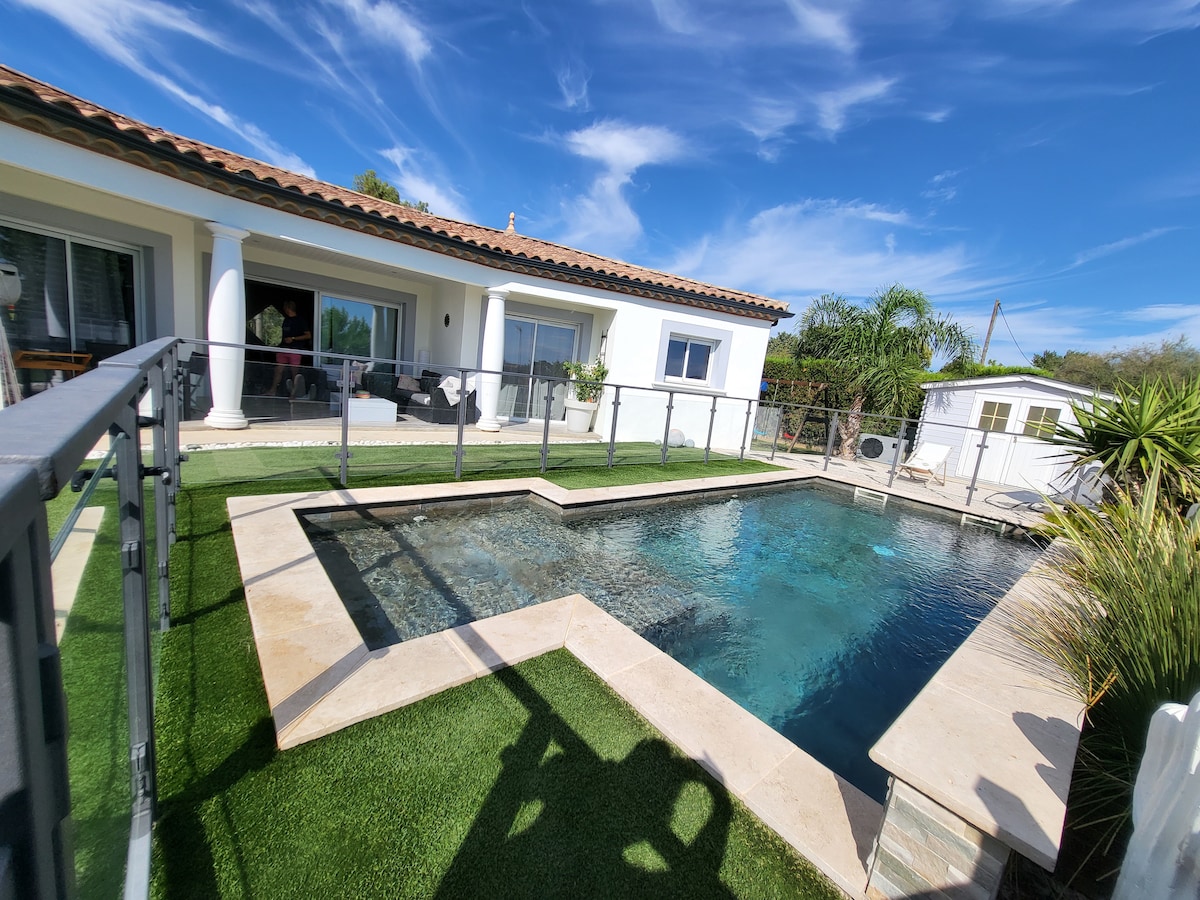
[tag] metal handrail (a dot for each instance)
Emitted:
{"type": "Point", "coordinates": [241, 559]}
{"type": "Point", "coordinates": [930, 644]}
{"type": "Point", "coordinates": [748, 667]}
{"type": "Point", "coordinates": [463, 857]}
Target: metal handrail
{"type": "Point", "coordinates": [43, 441]}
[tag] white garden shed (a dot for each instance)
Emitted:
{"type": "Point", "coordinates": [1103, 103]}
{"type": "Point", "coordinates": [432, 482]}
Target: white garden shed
{"type": "Point", "coordinates": [1017, 411]}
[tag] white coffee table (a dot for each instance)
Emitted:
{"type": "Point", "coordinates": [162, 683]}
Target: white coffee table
{"type": "Point", "coordinates": [372, 411]}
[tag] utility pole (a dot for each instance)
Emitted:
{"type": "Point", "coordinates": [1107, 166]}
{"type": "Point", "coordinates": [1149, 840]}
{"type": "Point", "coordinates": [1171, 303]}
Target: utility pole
{"type": "Point", "coordinates": [987, 340]}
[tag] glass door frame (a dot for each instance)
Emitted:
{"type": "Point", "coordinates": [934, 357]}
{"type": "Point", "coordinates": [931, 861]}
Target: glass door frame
{"type": "Point", "coordinates": [530, 377]}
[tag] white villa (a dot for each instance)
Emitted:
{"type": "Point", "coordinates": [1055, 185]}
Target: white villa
{"type": "Point", "coordinates": [122, 232]}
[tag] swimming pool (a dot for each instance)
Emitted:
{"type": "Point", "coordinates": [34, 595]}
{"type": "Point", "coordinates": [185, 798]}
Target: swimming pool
{"type": "Point", "coordinates": [822, 617]}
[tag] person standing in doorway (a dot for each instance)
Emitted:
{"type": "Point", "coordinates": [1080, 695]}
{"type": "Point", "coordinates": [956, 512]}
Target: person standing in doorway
{"type": "Point", "coordinates": [297, 335]}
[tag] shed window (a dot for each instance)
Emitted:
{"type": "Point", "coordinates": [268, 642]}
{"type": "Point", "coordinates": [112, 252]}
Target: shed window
{"type": "Point", "coordinates": [994, 416]}
{"type": "Point", "coordinates": [1041, 421]}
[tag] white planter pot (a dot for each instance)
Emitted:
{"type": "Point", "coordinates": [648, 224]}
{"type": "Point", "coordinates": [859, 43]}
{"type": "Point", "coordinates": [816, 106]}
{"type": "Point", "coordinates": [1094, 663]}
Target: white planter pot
{"type": "Point", "coordinates": [579, 415]}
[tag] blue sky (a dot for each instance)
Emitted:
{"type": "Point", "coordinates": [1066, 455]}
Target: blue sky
{"type": "Point", "coordinates": [1043, 152]}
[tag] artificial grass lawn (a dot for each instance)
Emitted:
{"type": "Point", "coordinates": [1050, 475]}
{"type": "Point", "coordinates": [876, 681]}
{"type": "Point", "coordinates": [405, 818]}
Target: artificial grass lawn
{"type": "Point", "coordinates": [537, 781]}
{"type": "Point", "coordinates": [415, 464]}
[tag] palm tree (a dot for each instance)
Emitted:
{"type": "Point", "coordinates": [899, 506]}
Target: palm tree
{"type": "Point", "coordinates": [880, 350]}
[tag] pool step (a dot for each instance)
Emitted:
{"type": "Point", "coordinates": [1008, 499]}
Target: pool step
{"type": "Point", "coordinates": [866, 495]}
{"type": "Point", "coordinates": [981, 522]}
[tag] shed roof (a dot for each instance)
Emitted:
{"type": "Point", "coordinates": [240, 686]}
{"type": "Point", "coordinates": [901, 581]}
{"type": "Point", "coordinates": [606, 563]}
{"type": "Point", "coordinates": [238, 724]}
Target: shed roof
{"type": "Point", "coordinates": [1035, 380]}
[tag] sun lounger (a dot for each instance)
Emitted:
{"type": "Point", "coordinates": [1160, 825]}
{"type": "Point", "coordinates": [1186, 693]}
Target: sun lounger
{"type": "Point", "coordinates": [926, 460]}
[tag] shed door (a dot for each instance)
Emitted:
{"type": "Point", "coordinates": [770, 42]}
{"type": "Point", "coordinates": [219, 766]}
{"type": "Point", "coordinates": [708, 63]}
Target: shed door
{"type": "Point", "coordinates": [993, 418]}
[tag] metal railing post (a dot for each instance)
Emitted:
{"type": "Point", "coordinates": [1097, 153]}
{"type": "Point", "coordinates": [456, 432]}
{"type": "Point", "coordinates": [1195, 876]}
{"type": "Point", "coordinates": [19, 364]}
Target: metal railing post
{"type": "Point", "coordinates": [829, 442]}
{"type": "Point", "coordinates": [612, 432]}
{"type": "Point", "coordinates": [712, 418]}
{"type": "Point", "coordinates": [171, 411]}
{"type": "Point", "coordinates": [137, 646]}
{"type": "Point", "coordinates": [746, 429]}
{"type": "Point", "coordinates": [778, 429]}
{"type": "Point", "coordinates": [546, 424]}
{"type": "Point", "coordinates": [344, 453]}
{"type": "Point", "coordinates": [462, 423]}
{"type": "Point", "coordinates": [978, 463]}
{"type": "Point", "coordinates": [899, 450]}
{"type": "Point", "coordinates": [667, 427]}
{"type": "Point", "coordinates": [162, 545]}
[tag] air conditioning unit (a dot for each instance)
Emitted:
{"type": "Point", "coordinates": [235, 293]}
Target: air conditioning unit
{"type": "Point", "coordinates": [877, 446]}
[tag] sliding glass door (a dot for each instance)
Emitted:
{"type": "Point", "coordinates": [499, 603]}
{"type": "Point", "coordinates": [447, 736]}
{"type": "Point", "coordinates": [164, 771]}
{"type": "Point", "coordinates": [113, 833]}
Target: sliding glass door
{"type": "Point", "coordinates": [535, 350]}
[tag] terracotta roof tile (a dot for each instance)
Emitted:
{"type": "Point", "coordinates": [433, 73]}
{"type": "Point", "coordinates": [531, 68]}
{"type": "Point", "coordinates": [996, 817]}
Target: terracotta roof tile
{"type": "Point", "coordinates": [510, 243]}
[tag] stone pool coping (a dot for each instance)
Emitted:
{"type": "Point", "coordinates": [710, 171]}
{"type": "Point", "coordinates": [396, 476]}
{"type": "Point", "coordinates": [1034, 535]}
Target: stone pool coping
{"type": "Point", "coordinates": [994, 699]}
{"type": "Point", "coordinates": [320, 677]}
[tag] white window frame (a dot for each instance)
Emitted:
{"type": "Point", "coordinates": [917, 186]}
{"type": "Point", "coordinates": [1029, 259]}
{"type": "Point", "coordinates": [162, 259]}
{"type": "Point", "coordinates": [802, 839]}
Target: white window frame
{"type": "Point", "coordinates": [688, 342]}
{"type": "Point", "coordinates": [719, 343]}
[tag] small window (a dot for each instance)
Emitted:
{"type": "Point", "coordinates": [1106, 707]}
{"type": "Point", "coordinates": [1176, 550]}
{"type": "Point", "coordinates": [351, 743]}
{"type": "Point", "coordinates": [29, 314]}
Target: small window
{"type": "Point", "coordinates": [994, 416]}
{"type": "Point", "coordinates": [688, 359]}
{"type": "Point", "coordinates": [1041, 421]}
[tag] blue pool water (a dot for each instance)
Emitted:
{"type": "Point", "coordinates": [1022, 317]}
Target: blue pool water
{"type": "Point", "coordinates": [822, 617]}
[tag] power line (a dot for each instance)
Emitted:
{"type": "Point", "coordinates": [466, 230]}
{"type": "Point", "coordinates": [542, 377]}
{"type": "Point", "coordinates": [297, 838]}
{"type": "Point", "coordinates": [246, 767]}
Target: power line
{"type": "Point", "coordinates": [1011, 335]}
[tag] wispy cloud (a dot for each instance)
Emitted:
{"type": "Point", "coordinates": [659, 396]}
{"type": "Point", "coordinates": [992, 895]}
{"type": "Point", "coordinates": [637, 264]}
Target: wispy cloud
{"type": "Point", "coordinates": [941, 187]}
{"type": "Point", "coordinates": [1166, 312]}
{"type": "Point", "coordinates": [833, 107]}
{"type": "Point", "coordinates": [415, 185]}
{"type": "Point", "coordinates": [573, 77]}
{"type": "Point", "coordinates": [675, 15]}
{"type": "Point", "coordinates": [815, 246]}
{"type": "Point", "coordinates": [388, 24]}
{"type": "Point", "coordinates": [818, 25]}
{"type": "Point", "coordinates": [1146, 18]}
{"type": "Point", "coordinates": [119, 29]}
{"type": "Point", "coordinates": [128, 32]}
{"type": "Point", "coordinates": [1094, 253]}
{"type": "Point", "coordinates": [270, 149]}
{"type": "Point", "coordinates": [602, 219]}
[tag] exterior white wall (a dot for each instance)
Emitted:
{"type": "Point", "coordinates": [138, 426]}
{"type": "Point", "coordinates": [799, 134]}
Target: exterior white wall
{"type": "Point", "coordinates": [634, 340]}
{"type": "Point", "coordinates": [951, 414]}
{"type": "Point", "coordinates": [458, 342]}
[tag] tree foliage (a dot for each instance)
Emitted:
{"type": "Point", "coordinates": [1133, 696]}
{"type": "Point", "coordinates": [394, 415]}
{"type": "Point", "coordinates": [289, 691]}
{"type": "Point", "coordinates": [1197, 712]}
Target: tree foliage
{"type": "Point", "coordinates": [372, 185]}
{"type": "Point", "coordinates": [879, 351]}
{"type": "Point", "coordinates": [1174, 361]}
{"type": "Point", "coordinates": [783, 344]}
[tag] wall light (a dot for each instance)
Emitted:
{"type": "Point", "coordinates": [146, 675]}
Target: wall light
{"type": "Point", "coordinates": [446, 321]}
{"type": "Point", "coordinates": [603, 344]}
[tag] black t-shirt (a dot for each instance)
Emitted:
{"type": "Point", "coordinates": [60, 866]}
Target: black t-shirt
{"type": "Point", "coordinates": [293, 327]}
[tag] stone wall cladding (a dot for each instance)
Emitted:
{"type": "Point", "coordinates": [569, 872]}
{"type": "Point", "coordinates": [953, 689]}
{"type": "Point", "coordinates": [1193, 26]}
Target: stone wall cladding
{"type": "Point", "coordinates": [925, 850]}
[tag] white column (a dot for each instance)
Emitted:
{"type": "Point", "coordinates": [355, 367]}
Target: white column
{"type": "Point", "coordinates": [492, 358]}
{"type": "Point", "coordinates": [226, 322]}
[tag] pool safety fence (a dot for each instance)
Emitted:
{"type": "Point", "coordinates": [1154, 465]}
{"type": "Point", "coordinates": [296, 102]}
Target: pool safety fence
{"type": "Point", "coordinates": [349, 406]}
{"type": "Point", "coordinates": [1015, 468]}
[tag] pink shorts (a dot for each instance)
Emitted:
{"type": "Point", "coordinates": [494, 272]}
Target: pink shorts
{"type": "Point", "coordinates": [289, 359]}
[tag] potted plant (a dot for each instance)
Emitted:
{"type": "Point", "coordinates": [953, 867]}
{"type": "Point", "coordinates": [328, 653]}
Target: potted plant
{"type": "Point", "coordinates": [587, 382]}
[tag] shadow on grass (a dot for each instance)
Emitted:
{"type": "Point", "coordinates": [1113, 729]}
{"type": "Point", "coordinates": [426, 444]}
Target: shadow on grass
{"type": "Point", "coordinates": [186, 856]}
{"type": "Point", "coordinates": [564, 822]}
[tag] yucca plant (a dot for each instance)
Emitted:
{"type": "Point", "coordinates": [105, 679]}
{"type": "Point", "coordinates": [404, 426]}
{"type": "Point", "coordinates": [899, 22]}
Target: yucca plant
{"type": "Point", "coordinates": [1152, 424]}
{"type": "Point", "coordinates": [1124, 625]}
